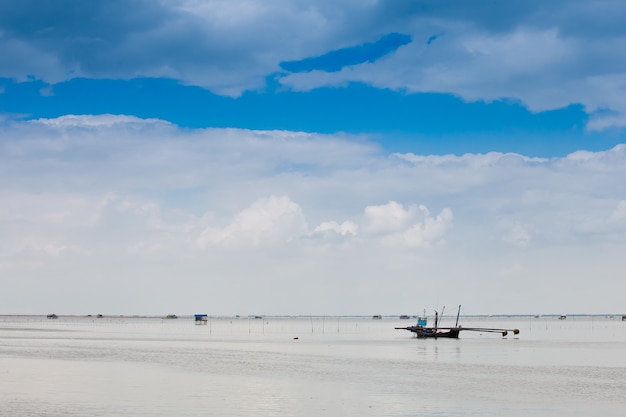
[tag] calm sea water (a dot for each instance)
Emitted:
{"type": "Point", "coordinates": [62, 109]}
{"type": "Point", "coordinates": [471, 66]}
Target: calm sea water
{"type": "Point", "coordinates": [83, 366]}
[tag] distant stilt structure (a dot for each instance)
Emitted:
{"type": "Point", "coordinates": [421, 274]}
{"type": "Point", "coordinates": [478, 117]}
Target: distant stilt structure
{"type": "Point", "coordinates": [201, 319]}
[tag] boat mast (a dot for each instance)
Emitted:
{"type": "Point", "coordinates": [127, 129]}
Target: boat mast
{"type": "Point", "coordinates": [457, 317]}
{"type": "Point", "coordinates": [437, 317]}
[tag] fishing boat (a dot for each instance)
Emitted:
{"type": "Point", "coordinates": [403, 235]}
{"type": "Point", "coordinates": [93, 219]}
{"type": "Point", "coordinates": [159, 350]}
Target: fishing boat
{"type": "Point", "coordinates": [445, 332]}
{"type": "Point", "coordinates": [421, 330]}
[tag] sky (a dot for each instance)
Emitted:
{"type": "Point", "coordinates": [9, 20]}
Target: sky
{"type": "Point", "coordinates": [312, 157]}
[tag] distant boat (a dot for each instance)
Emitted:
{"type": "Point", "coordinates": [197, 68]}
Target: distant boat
{"type": "Point", "coordinates": [52, 316]}
{"type": "Point", "coordinates": [404, 317]}
{"type": "Point", "coordinates": [171, 316]}
{"type": "Point", "coordinates": [562, 317]}
{"type": "Point", "coordinates": [436, 332]}
{"type": "Point", "coordinates": [377, 316]}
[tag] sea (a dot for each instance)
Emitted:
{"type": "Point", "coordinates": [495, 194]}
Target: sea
{"type": "Point", "coordinates": [310, 367]}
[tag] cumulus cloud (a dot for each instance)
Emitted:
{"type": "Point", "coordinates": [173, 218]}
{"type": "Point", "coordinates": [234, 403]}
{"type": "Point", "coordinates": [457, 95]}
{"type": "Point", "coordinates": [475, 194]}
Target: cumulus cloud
{"type": "Point", "coordinates": [542, 62]}
{"type": "Point", "coordinates": [546, 55]}
{"type": "Point", "coordinates": [109, 195]}
{"type": "Point", "coordinates": [268, 221]}
{"type": "Point", "coordinates": [388, 218]}
{"type": "Point", "coordinates": [413, 226]}
{"type": "Point", "coordinates": [99, 167]}
{"type": "Point", "coordinates": [344, 229]}
{"type": "Point", "coordinates": [430, 230]}
{"type": "Point", "coordinates": [226, 46]}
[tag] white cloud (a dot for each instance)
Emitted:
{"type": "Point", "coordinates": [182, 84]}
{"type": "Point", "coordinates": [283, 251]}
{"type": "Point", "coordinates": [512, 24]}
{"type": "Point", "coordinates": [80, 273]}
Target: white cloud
{"type": "Point", "coordinates": [619, 214]}
{"type": "Point", "coordinates": [470, 64]}
{"type": "Point", "coordinates": [132, 201]}
{"type": "Point", "coordinates": [344, 229]}
{"type": "Point", "coordinates": [599, 122]}
{"type": "Point", "coordinates": [268, 221]}
{"type": "Point", "coordinates": [413, 227]}
{"type": "Point", "coordinates": [95, 121]}
{"type": "Point", "coordinates": [430, 230]}
{"type": "Point", "coordinates": [517, 234]}
{"type": "Point", "coordinates": [389, 218]}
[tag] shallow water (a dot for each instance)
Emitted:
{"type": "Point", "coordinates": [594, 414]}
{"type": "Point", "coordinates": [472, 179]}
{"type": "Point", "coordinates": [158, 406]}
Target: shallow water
{"type": "Point", "coordinates": [83, 366]}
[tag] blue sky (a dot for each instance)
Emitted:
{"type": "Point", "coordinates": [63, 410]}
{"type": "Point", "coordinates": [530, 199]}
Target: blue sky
{"type": "Point", "coordinates": [422, 122]}
{"type": "Point", "coordinates": [434, 123]}
{"type": "Point", "coordinates": [477, 145]}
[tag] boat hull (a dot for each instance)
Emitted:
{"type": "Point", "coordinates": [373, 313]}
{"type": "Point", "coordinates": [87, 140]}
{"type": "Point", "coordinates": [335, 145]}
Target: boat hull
{"type": "Point", "coordinates": [431, 333]}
